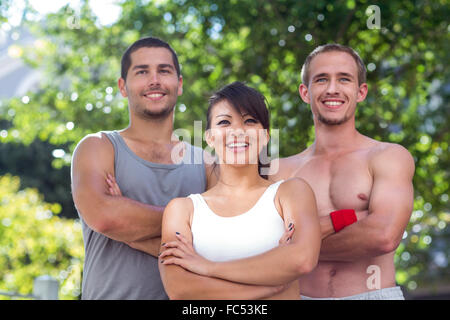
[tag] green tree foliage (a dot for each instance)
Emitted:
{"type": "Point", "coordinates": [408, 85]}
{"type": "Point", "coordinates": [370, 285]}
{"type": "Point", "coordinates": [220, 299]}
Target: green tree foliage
{"type": "Point", "coordinates": [34, 241]}
{"type": "Point", "coordinates": [33, 163]}
{"type": "Point", "coordinates": [264, 44]}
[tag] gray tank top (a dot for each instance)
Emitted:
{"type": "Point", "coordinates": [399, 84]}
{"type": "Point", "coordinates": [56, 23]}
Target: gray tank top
{"type": "Point", "coordinates": [113, 270]}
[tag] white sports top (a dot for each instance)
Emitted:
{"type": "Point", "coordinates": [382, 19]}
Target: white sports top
{"type": "Point", "coordinates": [256, 231]}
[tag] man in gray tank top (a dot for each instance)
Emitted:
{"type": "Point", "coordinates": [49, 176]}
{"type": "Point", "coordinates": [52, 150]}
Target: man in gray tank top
{"type": "Point", "coordinates": [122, 233]}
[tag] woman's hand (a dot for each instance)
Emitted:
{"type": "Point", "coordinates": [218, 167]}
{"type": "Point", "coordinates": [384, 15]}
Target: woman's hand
{"type": "Point", "coordinates": [181, 252]}
{"type": "Point", "coordinates": [287, 235]}
{"type": "Point", "coordinates": [113, 187]}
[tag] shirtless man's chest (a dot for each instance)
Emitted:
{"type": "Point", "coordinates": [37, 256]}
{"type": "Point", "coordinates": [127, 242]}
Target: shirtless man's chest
{"type": "Point", "coordinates": [340, 181]}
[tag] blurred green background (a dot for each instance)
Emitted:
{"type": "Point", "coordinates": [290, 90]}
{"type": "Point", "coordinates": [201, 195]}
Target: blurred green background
{"type": "Point", "coordinates": [71, 62]}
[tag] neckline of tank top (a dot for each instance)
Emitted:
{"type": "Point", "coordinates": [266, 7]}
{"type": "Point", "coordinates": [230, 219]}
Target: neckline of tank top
{"type": "Point", "coordinates": [154, 164]}
{"type": "Point", "coordinates": [249, 211]}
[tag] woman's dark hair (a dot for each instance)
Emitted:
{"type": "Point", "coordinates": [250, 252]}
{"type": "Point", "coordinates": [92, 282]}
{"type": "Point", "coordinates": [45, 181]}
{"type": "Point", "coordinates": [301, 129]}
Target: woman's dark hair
{"type": "Point", "coordinates": [244, 100]}
{"type": "Point", "coordinates": [148, 42]}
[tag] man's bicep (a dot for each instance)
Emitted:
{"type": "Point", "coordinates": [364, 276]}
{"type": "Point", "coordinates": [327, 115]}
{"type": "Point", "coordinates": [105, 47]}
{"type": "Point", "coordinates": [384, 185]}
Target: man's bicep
{"type": "Point", "coordinates": [91, 161]}
{"type": "Point", "coordinates": [392, 192]}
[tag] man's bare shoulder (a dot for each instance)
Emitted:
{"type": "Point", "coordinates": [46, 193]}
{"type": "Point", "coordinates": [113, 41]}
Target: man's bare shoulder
{"type": "Point", "coordinates": [93, 142]}
{"type": "Point", "coordinates": [98, 139]}
{"type": "Point", "coordinates": [388, 149]}
{"type": "Point", "coordinates": [390, 156]}
{"type": "Point", "coordinates": [285, 168]}
{"type": "Point", "coordinates": [93, 151]}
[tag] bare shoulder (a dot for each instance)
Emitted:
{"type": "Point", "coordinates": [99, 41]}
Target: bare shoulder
{"type": "Point", "coordinates": [179, 207]}
{"type": "Point", "coordinates": [391, 156]}
{"type": "Point", "coordinates": [384, 151]}
{"type": "Point", "coordinates": [285, 168]}
{"type": "Point", "coordinates": [177, 215]}
{"type": "Point", "coordinates": [296, 199]}
{"type": "Point", "coordinates": [94, 153]}
{"type": "Point", "coordinates": [93, 143]}
{"type": "Point", "coordinates": [296, 189]}
{"type": "Point", "coordinates": [180, 203]}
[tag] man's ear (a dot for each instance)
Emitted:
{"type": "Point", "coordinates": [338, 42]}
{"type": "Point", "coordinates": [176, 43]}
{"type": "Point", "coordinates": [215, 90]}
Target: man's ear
{"type": "Point", "coordinates": [122, 87]}
{"type": "Point", "coordinates": [362, 92]}
{"type": "Point", "coordinates": [304, 93]}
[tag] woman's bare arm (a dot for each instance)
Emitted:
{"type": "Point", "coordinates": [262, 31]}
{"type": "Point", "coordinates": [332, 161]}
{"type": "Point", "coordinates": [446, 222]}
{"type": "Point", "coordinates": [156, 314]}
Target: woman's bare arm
{"type": "Point", "coordinates": [182, 284]}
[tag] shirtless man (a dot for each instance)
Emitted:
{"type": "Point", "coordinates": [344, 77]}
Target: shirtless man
{"type": "Point", "coordinates": [348, 170]}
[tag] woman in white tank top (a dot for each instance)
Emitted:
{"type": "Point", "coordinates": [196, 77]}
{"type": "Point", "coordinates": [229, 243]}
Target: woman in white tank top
{"type": "Point", "coordinates": [229, 240]}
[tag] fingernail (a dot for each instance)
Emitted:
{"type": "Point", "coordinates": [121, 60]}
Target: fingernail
{"type": "Point", "coordinates": [291, 228]}
{"type": "Point", "coordinates": [177, 232]}
{"type": "Point", "coordinates": [290, 224]}
{"type": "Point", "coordinates": [162, 245]}
{"type": "Point", "coordinates": [288, 239]}
{"type": "Point", "coordinates": [162, 261]}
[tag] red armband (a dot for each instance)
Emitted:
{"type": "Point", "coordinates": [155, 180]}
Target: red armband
{"type": "Point", "coordinates": [342, 218]}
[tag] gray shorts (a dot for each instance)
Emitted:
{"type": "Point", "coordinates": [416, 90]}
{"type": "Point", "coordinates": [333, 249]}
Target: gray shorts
{"type": "Point", "coordinates": [394, 293]}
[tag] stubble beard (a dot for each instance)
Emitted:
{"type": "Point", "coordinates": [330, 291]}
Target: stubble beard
{"type": "Point", "coordinates": [160, 115]}
{"type": "Point", "coordinates": [143, 111]}
{"type": "Point", "coordinates": [332, 122]}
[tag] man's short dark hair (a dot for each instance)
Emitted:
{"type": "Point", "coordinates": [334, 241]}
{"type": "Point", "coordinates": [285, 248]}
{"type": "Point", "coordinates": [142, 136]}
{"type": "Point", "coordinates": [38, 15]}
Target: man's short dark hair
{"type": "Point", "coordinates": [148, 42]}
{"type": "Point", "coordinates": [329, 48]}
